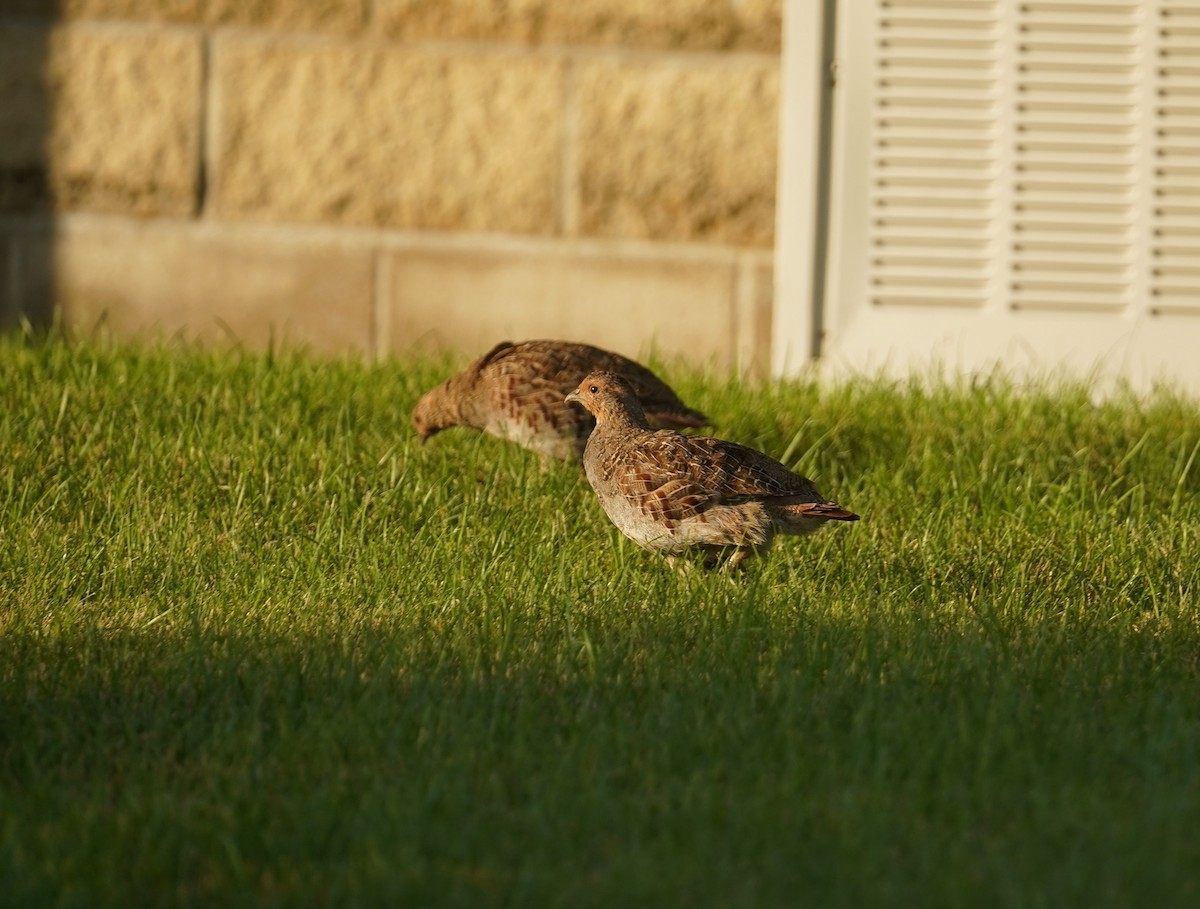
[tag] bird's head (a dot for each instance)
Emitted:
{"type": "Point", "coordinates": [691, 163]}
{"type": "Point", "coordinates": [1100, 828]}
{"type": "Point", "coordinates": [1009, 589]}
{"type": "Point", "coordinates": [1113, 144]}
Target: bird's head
{"type": "Point", "coordinates": [608, 396]}
{"type": "Point", "coordinates": [433, 413]}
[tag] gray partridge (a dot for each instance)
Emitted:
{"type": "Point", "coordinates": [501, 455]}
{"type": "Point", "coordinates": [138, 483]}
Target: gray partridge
{"type": "Point", "coordinates": [517, 392]}
{"type": "Point", "coordinates": [671, 493]}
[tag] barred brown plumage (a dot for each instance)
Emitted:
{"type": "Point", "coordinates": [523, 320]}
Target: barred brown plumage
{"type": "Point", "coordinates": [671, 493]}
{"type": "Point", "coordinates": [517, 392]}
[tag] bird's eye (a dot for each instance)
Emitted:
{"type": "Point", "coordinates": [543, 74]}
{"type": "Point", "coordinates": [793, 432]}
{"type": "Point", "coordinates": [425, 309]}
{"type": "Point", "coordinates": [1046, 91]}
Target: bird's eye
{"type": "Point", "coordinates": [594, 389]}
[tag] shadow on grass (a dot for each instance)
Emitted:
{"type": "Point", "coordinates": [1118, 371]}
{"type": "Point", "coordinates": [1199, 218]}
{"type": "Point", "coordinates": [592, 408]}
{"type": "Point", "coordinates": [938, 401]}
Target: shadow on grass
{"type": "Point", "coordinates": [743, 762]}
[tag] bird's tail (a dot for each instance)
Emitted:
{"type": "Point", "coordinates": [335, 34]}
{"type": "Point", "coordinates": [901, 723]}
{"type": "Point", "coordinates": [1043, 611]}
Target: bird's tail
{"type": "Point", "coordinates": [825, 511]}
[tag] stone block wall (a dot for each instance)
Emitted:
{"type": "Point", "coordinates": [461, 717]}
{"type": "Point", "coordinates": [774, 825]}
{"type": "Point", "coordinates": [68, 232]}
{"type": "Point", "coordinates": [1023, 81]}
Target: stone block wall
{"type": "Point", "coordinates": [377, 175]}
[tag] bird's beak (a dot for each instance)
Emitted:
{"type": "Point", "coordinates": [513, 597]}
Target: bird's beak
{"type": "Point", "coordinates": [573, 397]}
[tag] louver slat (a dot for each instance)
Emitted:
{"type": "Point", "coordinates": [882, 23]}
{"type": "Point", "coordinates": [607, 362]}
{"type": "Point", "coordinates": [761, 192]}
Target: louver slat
{"type": "Point", "coordinates": [1175, 271]}
{"type": "Point", "coordinates": [1075, 148]}
{"type": "Point", "coordinates": [1012, 183]}
{"type": "Point", "coordinates": [933, 165]}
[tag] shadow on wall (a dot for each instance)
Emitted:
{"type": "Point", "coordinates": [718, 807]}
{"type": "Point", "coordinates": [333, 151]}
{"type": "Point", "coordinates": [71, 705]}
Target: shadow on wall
{"type": "Point", "coordinates": [26, 185]}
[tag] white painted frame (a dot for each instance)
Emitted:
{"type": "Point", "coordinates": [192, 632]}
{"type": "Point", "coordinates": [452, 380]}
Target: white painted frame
{"type": "Point", "coordinates": [801, 203]}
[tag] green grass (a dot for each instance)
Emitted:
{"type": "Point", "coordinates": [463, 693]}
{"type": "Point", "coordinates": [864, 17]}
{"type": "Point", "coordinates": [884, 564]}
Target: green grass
{"type": "Point", "coordinates": [257, 648]}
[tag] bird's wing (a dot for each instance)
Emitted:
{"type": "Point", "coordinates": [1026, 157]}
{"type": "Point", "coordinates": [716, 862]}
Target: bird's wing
{"type": "Point", "coordinates": [649, 479]}
{"type": "Point", "coordinates": [737, 473]}
{"type": "Point", "coordinates": [492, 356]}
{"type": "Point", "coordinates": [672, 477]}
{"type": "Point", "coordinates": [536, 401]}
{"type": "Point", "coordinates": [567, 363]}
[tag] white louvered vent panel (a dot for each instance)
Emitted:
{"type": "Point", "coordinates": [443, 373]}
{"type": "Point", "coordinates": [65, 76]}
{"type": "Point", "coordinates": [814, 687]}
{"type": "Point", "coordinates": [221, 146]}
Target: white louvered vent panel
{"type": "Point", "coordinates": [1075, 149]}
{"type": "Point", "coordinates": [1029, 167]}
{"type": "Point", "coordinates": [1175, 271]}
{"type": "Point", "coordinates": [933, 153]}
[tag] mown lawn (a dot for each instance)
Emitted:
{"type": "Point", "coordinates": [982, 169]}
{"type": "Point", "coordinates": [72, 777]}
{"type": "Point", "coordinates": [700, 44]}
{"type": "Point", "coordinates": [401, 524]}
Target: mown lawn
{"type": "Point", "coordinates": [258, 648]}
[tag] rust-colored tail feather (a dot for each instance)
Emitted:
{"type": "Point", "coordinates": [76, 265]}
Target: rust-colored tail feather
{"type": "Point", "coordinates": [830, 511]}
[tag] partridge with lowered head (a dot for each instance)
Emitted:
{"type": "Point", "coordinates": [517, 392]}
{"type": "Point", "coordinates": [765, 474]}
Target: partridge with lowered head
{"type": "Point", "coordinates": [672, 493]}
{"type": "Point", "coordinates": [516, 392]}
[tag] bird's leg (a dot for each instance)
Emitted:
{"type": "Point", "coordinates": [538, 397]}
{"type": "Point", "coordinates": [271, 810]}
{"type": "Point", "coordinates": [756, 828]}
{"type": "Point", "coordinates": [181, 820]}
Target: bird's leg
{"type": "Point", "coordinates": [737, 561]}
{"type": "Point", "coordinates": [681, 566]}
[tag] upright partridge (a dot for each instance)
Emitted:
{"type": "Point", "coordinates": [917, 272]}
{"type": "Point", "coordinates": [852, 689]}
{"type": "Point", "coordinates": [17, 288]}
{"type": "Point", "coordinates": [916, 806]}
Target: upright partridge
{"type": "Point", "coordinates": [516, 392]}
{"type": "Point", "coordinates": [671, 493]}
